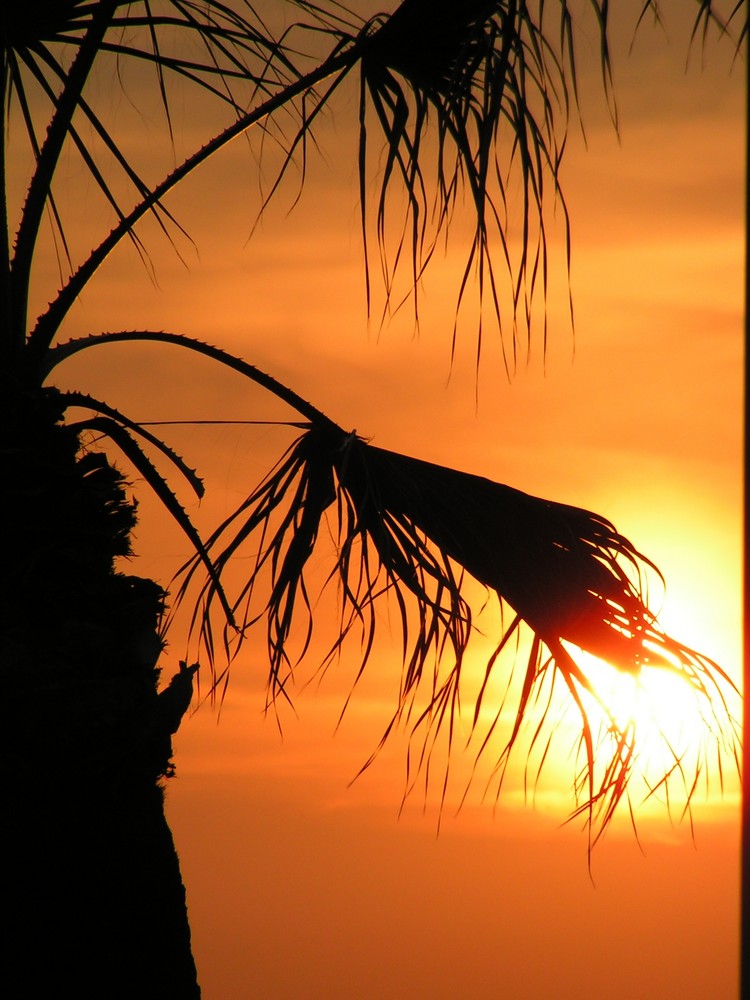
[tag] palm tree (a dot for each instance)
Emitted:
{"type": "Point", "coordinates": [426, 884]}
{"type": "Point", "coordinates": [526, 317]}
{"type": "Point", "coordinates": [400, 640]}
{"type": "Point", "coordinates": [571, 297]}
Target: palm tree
{"type": "Point", "coordinates": [462, 96]}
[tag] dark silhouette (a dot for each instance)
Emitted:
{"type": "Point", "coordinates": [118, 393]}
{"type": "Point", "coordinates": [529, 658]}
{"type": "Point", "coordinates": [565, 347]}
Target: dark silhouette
{"type": "Point", "coordinates": [93, 901]}
{"type": "Point", "coordinates": [91, 889]}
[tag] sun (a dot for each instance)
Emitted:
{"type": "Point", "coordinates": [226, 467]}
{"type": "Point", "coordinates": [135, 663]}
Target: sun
{"type": "Point", "coordinates": [682, 732]}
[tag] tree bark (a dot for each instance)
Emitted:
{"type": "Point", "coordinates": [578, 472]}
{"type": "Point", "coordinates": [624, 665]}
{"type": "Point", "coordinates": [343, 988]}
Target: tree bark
{"type": "Point", "coordinates": [92, 897]}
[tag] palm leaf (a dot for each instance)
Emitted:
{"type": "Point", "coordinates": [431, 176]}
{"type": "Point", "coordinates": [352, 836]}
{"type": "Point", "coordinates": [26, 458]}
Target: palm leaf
{"type": "Point", "coordinates": [87, 401]}
{"type": "Point", "coordinates": [54, 46]}
{"type": "Point", "coordinates": [468, 97]}
{"type": "Point", "coordinates": [409, 530]}
{"type": "Point", "coordinates": [116, 432]}
{"type": "Point", "coordinates": [488, 78]}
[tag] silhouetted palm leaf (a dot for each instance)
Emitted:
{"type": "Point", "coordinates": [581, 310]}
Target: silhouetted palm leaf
{"type": "Point", "coordinates": [489, 80]}
{"type": "Point", "coordinates": [409, 531]}
{"type": "Point", "coordinates": [478, 73]}
{"type": "Point", "coordinates": [50, 50]}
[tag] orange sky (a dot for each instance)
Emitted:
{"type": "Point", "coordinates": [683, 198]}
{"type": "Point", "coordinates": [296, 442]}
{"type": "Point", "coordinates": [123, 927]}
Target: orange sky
{"type": "Point", "coordinates": [299, 886]}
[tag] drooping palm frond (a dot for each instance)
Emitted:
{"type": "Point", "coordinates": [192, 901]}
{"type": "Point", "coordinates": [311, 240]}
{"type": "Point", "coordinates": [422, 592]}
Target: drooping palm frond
{"type": "Point", "coordinates": [492, 80]}
{"type": "Point", "coordinates": [730, 20]}
{"type": "Point", "coordinates": [473, 101]}
{"type": "Point", "coordinates": [409, 532]}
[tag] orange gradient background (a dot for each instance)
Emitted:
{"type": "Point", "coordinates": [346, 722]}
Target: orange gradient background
{"type": "Point", "coordinates": [299, 884]}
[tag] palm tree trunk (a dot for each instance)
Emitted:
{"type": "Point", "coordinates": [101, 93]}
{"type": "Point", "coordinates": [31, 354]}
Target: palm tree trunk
{"type": "Point", "coordinates": [93, 901]}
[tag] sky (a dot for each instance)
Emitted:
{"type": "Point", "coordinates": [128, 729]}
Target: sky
{"type": "Point", "coordinates": [301, 882]}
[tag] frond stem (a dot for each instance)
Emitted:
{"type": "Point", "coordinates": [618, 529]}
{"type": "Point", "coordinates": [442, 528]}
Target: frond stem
{"type": "Point", "coordinates": [62, 351]}
{"type": "Point", "coordinates": [40, 186]}
{"type": "Point", "coordinates": [48, 324]}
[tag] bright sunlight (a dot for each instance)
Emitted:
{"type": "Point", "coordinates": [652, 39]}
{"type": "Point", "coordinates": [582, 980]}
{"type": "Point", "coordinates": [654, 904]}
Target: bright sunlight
{"type": "Point", "coordinates": [682, 751]}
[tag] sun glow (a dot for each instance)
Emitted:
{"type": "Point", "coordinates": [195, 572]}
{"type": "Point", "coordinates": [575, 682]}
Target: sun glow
{"type": "Point", "coordinates": [683, 737]}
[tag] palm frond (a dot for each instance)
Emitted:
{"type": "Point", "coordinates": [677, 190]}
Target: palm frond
{"type": "Point", "coordinates": [732, 24]}
{"type": "Point", "coordinates": [410, 531]}
{"type": "Point", "coordinates": [51, 50]}
{"type": "Point", "coordinates": [48, 324]}
{"type": "Point", "coordinates": [470, 99]}
{"type": "Point", "coordinates": [87, 401]}
{"type": "Point", "coordinates": [113, 425]}
{"type": "Point", "coordinates": [493, 84]}
{"type": "Point", "coordinates": [481, 90]}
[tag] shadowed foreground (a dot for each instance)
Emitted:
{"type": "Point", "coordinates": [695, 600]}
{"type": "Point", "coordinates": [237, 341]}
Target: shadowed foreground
{"type": "Point", "coordinates": [96, 899]}
{"type": "Point", "coordinates": [93, 901]}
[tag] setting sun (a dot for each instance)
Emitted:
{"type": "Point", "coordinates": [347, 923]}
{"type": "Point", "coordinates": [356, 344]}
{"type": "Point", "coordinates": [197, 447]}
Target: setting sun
{"type": "Point", "coordinates": [684, 737]}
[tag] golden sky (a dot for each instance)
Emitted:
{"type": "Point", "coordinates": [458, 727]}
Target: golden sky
{"type": "Point", "coordinates": [298, 885]}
